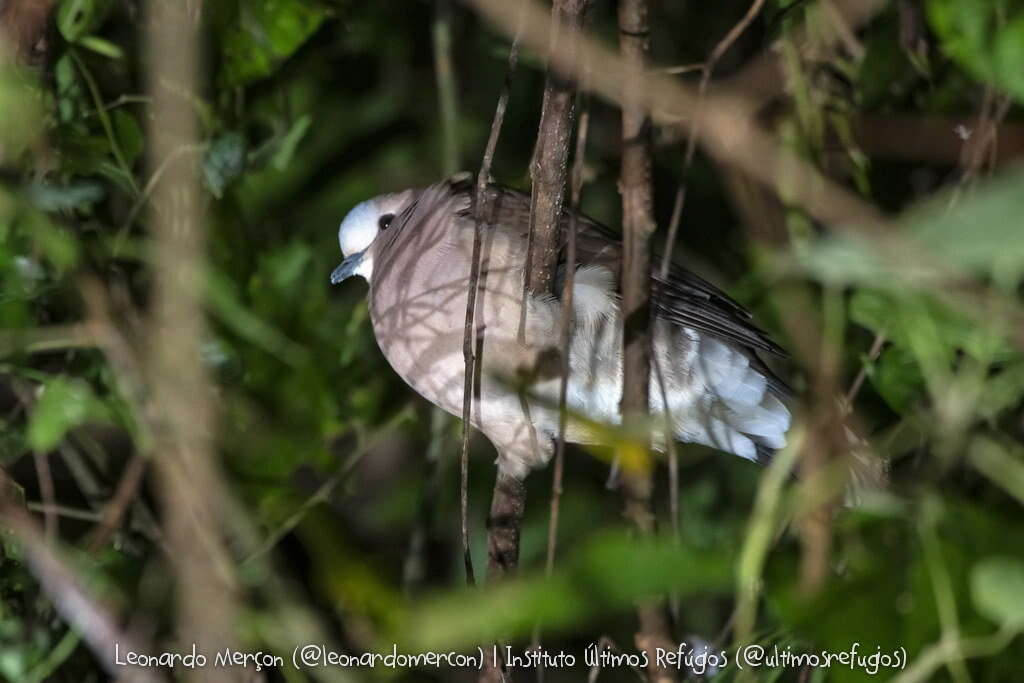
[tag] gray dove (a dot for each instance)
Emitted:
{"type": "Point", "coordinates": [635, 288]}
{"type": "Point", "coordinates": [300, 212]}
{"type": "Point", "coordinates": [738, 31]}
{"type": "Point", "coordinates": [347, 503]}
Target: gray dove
{"type": "Point", "coordinates": [414, 248]}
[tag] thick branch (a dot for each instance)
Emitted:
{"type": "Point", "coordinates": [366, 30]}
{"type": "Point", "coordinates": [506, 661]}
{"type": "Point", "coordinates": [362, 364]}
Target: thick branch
{"type": "Point", "coordinates": [192, 492]}
{"type": "Point", "coordinates": [550, 163]}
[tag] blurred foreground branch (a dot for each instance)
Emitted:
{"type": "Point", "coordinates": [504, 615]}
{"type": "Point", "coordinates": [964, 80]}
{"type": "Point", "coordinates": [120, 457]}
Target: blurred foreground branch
{"type": "Point", "coordinates": [192, 493]}
{"type": "Point", "coordinates": [726, 124]}
{"type": "Point", "coordinates": [78, 606]}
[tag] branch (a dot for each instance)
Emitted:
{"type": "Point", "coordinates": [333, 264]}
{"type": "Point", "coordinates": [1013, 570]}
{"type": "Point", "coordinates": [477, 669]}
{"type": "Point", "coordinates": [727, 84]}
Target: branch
{"type": "Point", "coordinates": [193, 495]}
{"type": "Point", "coordinates": [636, 187]}
{"type": "Point", "coordinates": [82, 610]}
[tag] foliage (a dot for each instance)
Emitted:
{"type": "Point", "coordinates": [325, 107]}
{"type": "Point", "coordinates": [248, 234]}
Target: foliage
{"type": "Point", "coordinates": [310, 107]}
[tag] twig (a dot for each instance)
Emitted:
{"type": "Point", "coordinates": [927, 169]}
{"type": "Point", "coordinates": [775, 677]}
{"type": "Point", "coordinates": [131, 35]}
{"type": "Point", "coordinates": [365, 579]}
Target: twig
{"type": "Point", "coordinates": [441, 32]}
{"type": "Point", "coordinates": [691, 139]}
{"type": "Point", "coordinates": [43, 339]}
{"type": "Point", "coordinates": [565, 340]}
{"type": "Point", "coordinates": [323, 492]}
{"type": "Point", "coordinates": [414, 566]}
{"type": "Point", "coordinates": [45, 477]}
{"type": "Point", "coordinates": [858, 381]}
{"type": "Point", "coordinates": [124, 496]}
{"type": "Point", "coordinates": [481, 217]}
{"type": "Point", "coordinates": [82, 610]}
{"type": "Point", "coordinates": [565, 345]}
{"type": "Point", "coordinates": [108, 126]}
{"type": "Point", "coordinates": [636, 187]}
{"type": "Point", "coordinates": [707, 69]}
{"type": "Point", "coordinates": [549, 165]}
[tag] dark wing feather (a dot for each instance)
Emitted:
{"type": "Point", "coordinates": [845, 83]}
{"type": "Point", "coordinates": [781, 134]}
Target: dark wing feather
{"type": "Point", "coordinates": [683, 298]}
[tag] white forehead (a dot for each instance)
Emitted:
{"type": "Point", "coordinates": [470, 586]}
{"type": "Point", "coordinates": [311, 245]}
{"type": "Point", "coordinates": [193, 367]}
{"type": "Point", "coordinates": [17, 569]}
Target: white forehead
{"type": "Point", "coordinates": [359, 228]}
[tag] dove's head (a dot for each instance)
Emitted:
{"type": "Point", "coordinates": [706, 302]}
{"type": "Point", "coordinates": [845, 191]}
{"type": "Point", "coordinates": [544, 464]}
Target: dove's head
{"type": "Point", "coordinates": [359, 230]}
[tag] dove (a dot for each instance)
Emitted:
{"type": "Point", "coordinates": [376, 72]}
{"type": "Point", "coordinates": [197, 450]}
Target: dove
{"type": "Point", "coordinates": [414, 248]}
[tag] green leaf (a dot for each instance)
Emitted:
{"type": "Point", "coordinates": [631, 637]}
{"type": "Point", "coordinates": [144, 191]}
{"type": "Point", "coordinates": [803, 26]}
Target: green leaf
{"type": "Point", "coordinates": [224, 161]}
{"type": "Point", "coordinates": [985, 37]}
{"type": "Point", "coordinates": [975, 233]}
{"type": "Point", "coordinates": [78, 18]}
{"type": "Point", "coordinates": [902, 315]}
{"type": "Point", "coordinates": [62, 406]}
{"type": "Point", "coordinates": [101, 46]}
{"type": "Point", "coordinates": [286, 148]}
{"type": "Point", "coordinates": [266, 33]}
{"type": "Point", "coordinates": [997, 584]}
{"type": "Point", "coordinates": [128, 134]}
{"type": "Point", "coordinates": [77, 194]}
{"type": "Point", "coordinates": [897, 378]}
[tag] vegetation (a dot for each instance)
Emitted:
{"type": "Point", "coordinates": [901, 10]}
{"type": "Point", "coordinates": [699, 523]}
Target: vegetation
{"type": "Point", "coordinates": [309, 496]}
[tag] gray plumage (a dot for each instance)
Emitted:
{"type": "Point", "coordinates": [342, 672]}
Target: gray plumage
{"type": "Point", "coordinates": [414, 248]}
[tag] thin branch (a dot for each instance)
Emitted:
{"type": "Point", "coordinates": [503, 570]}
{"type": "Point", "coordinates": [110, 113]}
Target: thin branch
{"type": "Point", "coordinates": [637, 189]}
{"type": "Point", "coordinates": [707, 69]}
{"type": "Point", "coordinates": [76, 604]}
{"type": "Point", "coordinates": [46, 490]}
{"type": "Point", "coordinates": [691, 139]}
{"type": "Point", "coordinates": [565, 345]}
{"type": "Point", "coordinates": [124, 496]}
{"type": "Point", "coordinates": [728, 127]}
{"type": "Point", "coordinates": [549, 165]}
{"type": "Point", "coordinates": [441, 32]}
{"type": "Point", "coordinates": [858, 381]}
{"type": "Point", "coordinates": [565, 339]}
{"type": "Point", "coordinates": [481, 216]}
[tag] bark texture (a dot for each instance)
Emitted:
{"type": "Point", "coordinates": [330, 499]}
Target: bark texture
{"type": "Point", "coordinates": [638, 224]}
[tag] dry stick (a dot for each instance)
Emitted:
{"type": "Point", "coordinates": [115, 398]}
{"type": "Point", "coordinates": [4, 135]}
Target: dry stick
{"type": "Point", "coordinates": [480, 215]}
{"type": "Point", "coordinates": [42, 466]}
{"type": "Point", "coordinates": [565, 339]}
{"type": "Point", "coordinates": [862, 374]}
{"type": "Point", "coordinates": [82, 610]}
{"type": "Point", "coordinates": [492, 670]}
{"type": "Point", "coordinates": [636, 187]}
{"type": "Point", "coordinates": [45, 477]}
{"type": "Point", "coordinates": [565, 344]}
{"type": "Point", "coordinates": [726, 120]}
{"type": "Point", "coordinates": [414, 567]}
{"type": "Point", "coordinates": [124, 496]}
{"type": "Point", "coordinates": [548, 171]}
{"type": "Point", "coordinates": [441, 30]}
{"type": "Point", "coordinates": [691, 139]}
{"type": "Point", "coordinates": [192, 493]}
{"type": "Point", "coordinates": [666, 259]}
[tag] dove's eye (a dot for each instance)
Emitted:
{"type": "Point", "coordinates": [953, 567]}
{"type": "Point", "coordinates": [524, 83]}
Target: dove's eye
{"type": "Point", "coordinates": [385, 221]}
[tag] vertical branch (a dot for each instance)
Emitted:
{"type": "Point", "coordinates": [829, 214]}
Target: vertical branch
{"type": "Point", "coordinates": [636, 188]}
{"type": "Point", "coordinates": [565, 338]}
{"type": "Point", "coordinates": [190, 487]}
{"type": "Point", "coordinates": [481, 215]}
{"type": "Point", "coordinates": [666, 260]}
{"type": "Point", "coordinates": [441, 30]}
{"type": "Point", "coordinates": [549, 170]}
{"type": "Point", "coordinates": [565, 344]}
{"type": "Point", "coordinates": [549, 166]}
{"type": "Point", "coordinates": [414, 566]}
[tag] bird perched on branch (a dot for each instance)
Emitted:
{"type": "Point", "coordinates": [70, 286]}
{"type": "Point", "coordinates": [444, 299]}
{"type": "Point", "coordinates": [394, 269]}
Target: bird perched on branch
{"type": "Point", "coordinates": [414, 248]}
